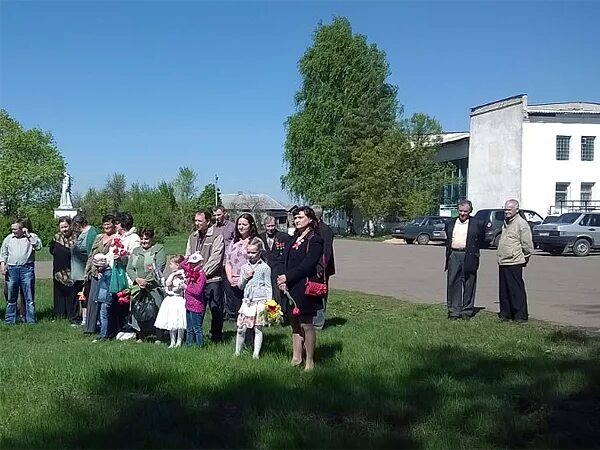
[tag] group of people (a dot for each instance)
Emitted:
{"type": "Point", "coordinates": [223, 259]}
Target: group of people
{"type": "Point", "coordinates": [112, 281]}
{"type": "Point", "coordinates": [244, 269]}
{"type": "Point", "coordinates": [465, 238]}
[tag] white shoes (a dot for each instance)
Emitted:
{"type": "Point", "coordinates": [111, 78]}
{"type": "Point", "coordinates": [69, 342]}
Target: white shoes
{"type": "Point", "coordinates": [125, 336]}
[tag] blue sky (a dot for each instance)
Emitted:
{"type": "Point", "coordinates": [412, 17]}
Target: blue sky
{"type": "Point", "coordinates": [144, 88]}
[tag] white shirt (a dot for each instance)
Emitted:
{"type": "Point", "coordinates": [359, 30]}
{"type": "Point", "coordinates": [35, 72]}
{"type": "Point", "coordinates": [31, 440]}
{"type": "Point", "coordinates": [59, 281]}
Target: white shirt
{"type": "Point", "coordinates": [459, 234]}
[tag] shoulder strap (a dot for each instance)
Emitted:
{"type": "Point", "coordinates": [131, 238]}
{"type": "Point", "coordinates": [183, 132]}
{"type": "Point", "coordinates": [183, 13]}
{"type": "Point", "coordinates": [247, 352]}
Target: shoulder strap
{"type": "Point", "coordinates": [322, 259]}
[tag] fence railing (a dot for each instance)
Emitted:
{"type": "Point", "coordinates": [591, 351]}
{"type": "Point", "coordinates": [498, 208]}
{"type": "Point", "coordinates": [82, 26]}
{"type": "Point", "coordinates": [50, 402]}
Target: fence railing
{"type": "Point", "coordinates": [565, 206]}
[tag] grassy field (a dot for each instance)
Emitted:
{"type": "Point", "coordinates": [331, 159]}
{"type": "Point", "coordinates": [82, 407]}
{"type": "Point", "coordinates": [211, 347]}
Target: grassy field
{"type": "Point", "coordinates": [389, 374]}
{"type": "Point", "coordinates": [175, 244]}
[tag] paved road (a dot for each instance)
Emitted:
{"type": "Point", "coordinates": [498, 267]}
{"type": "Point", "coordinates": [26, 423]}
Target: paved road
{"type": "Point", "coordinates": [561, 289]}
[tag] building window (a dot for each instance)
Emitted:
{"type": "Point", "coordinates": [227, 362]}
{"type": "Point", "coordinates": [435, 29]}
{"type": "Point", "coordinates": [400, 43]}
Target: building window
{"type": "Point", "coordinates": [586, 191]}
{"type": "Point", "coordinates": [562, 147]}
{"type": "Point", "coordinates": [561, 194]}
{"type": "Point", "coordinates": [587, 148]}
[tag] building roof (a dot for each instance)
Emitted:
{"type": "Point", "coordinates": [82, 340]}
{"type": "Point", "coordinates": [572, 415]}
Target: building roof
{"type": "Point", "coordinates": [565, 108]}
{"type": "Point", "coordinates": [455, 136]}
{"type": "Point", "coordinates": [249, 201]}
{"type": "Point", "coordinates": [503, 101]}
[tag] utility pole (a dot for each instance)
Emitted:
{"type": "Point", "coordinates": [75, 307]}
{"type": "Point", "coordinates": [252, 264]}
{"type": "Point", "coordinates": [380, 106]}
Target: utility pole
{"type": "Point", "coordinates": [216, 191]}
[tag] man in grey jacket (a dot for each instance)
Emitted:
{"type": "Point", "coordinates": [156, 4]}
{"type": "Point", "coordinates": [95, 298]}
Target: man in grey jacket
{"type": "Point", "coordinates": [514, 249]}
{"type": "Point", "coordinates": [209, 243]}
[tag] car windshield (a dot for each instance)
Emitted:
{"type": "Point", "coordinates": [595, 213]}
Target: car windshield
{"type": "Point", "coordinates": [568, 218]}
{"type": "Point", "coordinates": [417, 221]}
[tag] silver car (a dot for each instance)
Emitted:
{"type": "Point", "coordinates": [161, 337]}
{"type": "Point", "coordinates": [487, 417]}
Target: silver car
{"type": "Point", "coordinates": [576, 231]}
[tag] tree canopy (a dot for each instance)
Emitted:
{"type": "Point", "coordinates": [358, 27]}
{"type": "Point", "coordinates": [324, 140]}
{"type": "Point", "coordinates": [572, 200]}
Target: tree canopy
{"type": "Point", "coordinates": [31, 167]}
{"type": "Point", "coordinates": [348, 144]}
{"type": "Point", "coordinates": [343, 106]}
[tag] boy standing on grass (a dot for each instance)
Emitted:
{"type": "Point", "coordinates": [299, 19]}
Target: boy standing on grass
{"type": "Point", "coordinates": [17, 261]}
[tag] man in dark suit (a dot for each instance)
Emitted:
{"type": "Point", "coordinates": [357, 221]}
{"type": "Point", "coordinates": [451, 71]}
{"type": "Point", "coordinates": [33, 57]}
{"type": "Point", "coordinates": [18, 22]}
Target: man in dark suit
{"type": "Point", "coordinates": [465, 236]}
{"type": "Point", "coordinates": [275, 243]}
{"type": "Point", "coordinates": [329, 262]}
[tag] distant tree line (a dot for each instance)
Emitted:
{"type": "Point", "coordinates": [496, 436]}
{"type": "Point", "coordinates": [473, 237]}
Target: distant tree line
{"type": "Point", "coordinates": [31, 170]}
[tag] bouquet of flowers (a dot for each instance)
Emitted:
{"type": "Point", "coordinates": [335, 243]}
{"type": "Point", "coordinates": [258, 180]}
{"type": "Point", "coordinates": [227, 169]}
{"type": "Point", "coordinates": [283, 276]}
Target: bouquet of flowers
{"type": "Point", "coordinates": [123, 297]}
{"type": "Point", "coordinates": [271, 313]}
{"type": "Point", "coordinates": [118, 278]}
{"type": "Point", "coordinates": [118, 248]}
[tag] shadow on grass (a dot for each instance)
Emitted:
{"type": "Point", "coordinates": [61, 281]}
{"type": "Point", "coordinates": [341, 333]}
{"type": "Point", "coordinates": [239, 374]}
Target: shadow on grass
{"type": "Point", "coordinates": [335, 322]}
{"type": "Point", "coordinates": [439, 400]}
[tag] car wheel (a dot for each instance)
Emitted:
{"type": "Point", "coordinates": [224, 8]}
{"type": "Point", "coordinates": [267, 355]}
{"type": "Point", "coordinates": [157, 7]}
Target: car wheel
{"type": "Point", "coordinates": [581, 247]}
{"type": "Point", "coordinates": [555, 251]}
{"type": "Point", "coordinates": [409, 241]}
{"type": "Point", "coordinates": [496, 241]}
{"type": "Point", "coordinates": [423, 239]}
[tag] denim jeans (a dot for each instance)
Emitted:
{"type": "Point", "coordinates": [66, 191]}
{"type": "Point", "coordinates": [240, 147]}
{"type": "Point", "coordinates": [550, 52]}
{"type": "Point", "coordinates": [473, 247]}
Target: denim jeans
{"type": "Point", "coordinates": [20, 278]}
{"type": "Point", "coordinates": [104, 299]}
{"type": "Point", "coordinates": [195, 335]}
{"type": "Point", "coordinates": [104, 319]}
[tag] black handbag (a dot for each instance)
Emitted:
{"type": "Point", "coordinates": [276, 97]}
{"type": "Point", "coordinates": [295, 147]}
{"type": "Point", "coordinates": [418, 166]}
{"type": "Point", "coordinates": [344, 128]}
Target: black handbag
{"type": "Point", "coordinates": [144, 308]}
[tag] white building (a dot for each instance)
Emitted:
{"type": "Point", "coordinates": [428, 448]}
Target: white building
{"type": "Point", "coordinates": [544, 155]}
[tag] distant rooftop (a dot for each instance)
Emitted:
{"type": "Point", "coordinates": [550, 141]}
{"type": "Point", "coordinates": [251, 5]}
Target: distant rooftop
{"type": "Point", "coordinates": [565, 108]}
{"type": "Point", "coordinates": [540, 109]}
{"type": "Point", "coordinates": [250, 201]}
{"type": "Point", "coordinates": [454, 136]}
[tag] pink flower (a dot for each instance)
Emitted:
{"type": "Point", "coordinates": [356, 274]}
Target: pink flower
{"type": "Point", "coordinates": [296, 311]}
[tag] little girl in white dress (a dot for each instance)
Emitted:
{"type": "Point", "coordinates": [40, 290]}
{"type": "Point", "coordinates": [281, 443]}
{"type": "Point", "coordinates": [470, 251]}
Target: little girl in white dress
{"type": "Point", "coordinates": [171, 315]}
{"type": "Point", "coordinates": [255, 280]}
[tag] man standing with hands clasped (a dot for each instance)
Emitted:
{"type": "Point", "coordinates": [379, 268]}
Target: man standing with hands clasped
{"type": "Point", "coordinates": [514, 249]}
{"type": "Point", "coordinates": [465, 237]}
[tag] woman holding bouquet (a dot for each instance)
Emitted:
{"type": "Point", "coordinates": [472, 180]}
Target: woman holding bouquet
{"type": "Point", "coordinates": [302, 258]}
{"type": "Point", "coordinates": [98, 271]}
{"type": "Point", "coordinates": [129, 240]}
{"type": "Point", "coordinates": [145, 266]}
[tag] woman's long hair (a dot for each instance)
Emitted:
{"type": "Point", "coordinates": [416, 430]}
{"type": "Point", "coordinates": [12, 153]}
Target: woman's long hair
{"type": "Point", "coordinates": [253, 228]}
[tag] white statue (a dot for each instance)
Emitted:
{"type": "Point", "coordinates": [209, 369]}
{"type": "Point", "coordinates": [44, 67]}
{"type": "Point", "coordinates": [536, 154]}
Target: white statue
{"type": "Point", "coordinates": [65, 195]}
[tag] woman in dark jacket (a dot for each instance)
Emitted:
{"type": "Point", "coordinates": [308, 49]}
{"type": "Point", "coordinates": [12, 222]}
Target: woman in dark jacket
{"type": "Point", "coordinates": [66, 304]}
{"type": "Point", "coordinates": [302, 259]}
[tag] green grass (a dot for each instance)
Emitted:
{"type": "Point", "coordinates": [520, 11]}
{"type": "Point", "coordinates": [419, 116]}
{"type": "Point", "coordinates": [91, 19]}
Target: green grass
{"type": "Point", "coordinates": [389, 374]}
{"type": "Point", "coordinates": [175, 244]}
{"type": "Point", "coordinates": [43, 254]}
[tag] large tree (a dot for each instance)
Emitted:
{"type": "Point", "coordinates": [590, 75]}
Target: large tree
{"type": "Point", "coordinates": [184, 189]}
{"type": "Point", "coordinates": [206, 199]}
{"type": "Point", "coordinates": [399, 176]}
{"type": "Point", "coordinates": [31, 167]}
{"type": "Point", "coordinates": [184, 186]}
{"type": "Point", "coordinates": [343, 107]}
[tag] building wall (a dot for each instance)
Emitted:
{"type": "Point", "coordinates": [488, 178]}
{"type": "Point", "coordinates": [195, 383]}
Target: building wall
{"type": "Point", "coordinates": [541, 170]}
{"type": "Point", "coordinates": [495, 152]}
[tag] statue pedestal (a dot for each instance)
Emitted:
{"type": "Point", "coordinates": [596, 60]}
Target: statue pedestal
{"type": "Point", "coordinates": [69, 212]}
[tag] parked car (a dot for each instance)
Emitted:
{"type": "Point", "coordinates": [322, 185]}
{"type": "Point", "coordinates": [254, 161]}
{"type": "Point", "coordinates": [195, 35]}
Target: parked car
{"type": "Point", "coordinates": [550, 219]}
{"type": "Point", "coordinates": [576, 231]}
{"type": "Point", "coordinates": [494, 218]}
{"type": "Point", "coordinates": [424, 229]}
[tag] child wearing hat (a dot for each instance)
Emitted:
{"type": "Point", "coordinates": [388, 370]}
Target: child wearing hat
{"type": "Point", "coordinates": [195, 279]}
